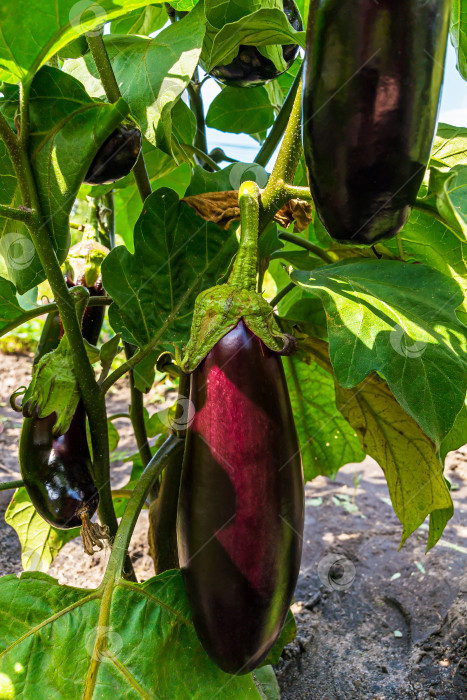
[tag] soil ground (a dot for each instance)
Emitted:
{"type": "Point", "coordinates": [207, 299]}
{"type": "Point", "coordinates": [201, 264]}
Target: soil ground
{"type": "Point", "coordinates": [374, 623]}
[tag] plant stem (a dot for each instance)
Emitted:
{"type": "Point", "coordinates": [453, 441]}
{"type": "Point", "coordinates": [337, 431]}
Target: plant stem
{"type": "Point", "coordinates": [93, 398]}
{"type": "Point", "coordinates": [47, 309]}
{"type": "Point", "coordinates": [7, 485]}
{"type": "Point", "coordinates": [7, 212]}
{"type": "Point", "coordinates": [244, 270]}
{"type": "Point", "coordinates": [196, 104]}
{"type": "Point", "coordinates": [295, 192]}
{"type": "Point", "coordinates": [273, 138]}
{"type": "Point", "coordinates": [136, 410]}
{"type": "Point", "coordinates": [303, 243]}
{"type": "Point", "coordinates": [280, 295]}
{"type": "Point", "coordinates": [113, 94]}
{"type": "Point", "coordinates": [201, 156]}
{"type": "Point", "coordinates": [400, 247]}
{"type": "Point", "coordinates": [275, 195]}
{"type": "Point", "coordinates": [109, 204]}
{"type": "Point", "coordinates": [134, 506]}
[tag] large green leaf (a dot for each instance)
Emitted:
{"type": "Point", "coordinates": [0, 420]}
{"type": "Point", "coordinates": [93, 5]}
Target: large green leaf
{"type": "Point", "coordinates": [40, 543]}
{"type": "Point", "coordinates": [241, 111]}
{"type": "Point", "coordinates": [222, 12]}
{"type": "Point", "coordinates": [459, 34]}
{"type": "Point", "coordinates": [34, 30]}
{"type": "Point", "coordinates": [327, 442]}
{"type": "Point", "coordinates": [66, 129]}
{"type": "Point", "coordinates": [151, 73]}
{"type": "Point", "coordinates": [10, 308]}
{"type": "Point", "coordinates": [408, 457]}
{"type": "Point", "coordinates": [123, 640]}
{"type": "Point", "coordinates": [177, 255]}
{"type": "Point", "coordinates": [264, 27]}
{"type": "Point", "coordinates": [144, 20]}
{"type": "Point", "coordinates": [399, 320]}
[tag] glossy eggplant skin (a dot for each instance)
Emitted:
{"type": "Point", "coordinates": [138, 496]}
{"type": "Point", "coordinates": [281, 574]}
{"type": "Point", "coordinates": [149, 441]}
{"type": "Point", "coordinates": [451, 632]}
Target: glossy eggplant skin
{"type": "Point", "coordinates": [250, 68]}
{"type": "Point", "coordinates": [115, 158]}
{"type": "Point", "coordinates": [56, 471]}
{"type": "Point", "coordinates": [241, 505]}
{"type": "Point", "coordinates": [372, 82]}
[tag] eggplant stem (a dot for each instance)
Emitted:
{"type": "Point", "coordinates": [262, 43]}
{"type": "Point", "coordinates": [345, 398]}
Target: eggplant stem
{"type": "Point", "coordinates": [92, 534]}
{"type": "Point", "coordinates": [243, 275]}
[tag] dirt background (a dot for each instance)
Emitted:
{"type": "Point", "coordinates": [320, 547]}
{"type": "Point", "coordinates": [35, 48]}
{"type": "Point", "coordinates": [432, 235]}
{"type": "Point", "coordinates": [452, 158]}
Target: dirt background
{"type": "Point", "coordinates": [374, 623]}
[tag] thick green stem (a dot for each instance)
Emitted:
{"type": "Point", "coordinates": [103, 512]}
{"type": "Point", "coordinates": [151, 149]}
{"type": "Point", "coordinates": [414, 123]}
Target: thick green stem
{"type": "Point", "coordinates": [295, 192]}
{"type": "Point", "coordinates": [47, 309]}
{"type": "Point", "coordinates": [275, 194]}
{"type": "Point", "coordinates": [266, 151]}
{"type": "Point", "coordinates": [303, 243]}
{"type": "Point", "coordinates": [109, 203]}
{"type": "Point", "coordinates": [93, 398]}
{"type": "Point", "coordinates": [136, 410]}
{"type": "Point", "coordinates": [7, 485]}
{"type": "Point", "coordinates": [243, 275]}
{"type": "Point", "coordinates": [142, 178]}
{"type": "Point", "coordinates": [134, 506]}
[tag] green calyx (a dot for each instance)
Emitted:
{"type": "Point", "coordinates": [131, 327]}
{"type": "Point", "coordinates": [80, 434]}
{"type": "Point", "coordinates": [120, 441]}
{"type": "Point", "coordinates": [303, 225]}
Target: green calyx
{"type": "Point", "coordinates": [54, 386]}
{"type": "Point", "coordinates": [218, 310]}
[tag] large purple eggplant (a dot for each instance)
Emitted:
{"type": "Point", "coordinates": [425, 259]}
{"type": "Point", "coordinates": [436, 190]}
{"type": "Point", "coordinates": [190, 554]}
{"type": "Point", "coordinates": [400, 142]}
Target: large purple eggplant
{"type": "Point", "coordinates": [241, 505]}
{"type": "Point", "coordinates": [372, 81]}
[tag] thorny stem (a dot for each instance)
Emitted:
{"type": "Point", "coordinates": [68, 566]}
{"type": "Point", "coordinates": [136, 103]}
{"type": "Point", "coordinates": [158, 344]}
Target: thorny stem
{"type": "Point", "coordinates": [275, 195]}
{"type": "Point", "coordinates": [273, 138]}
{"type": "Point", "coordinates": [23, 215]}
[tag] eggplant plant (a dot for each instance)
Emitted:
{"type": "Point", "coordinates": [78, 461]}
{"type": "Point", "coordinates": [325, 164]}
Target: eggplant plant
{"type": "Point", "coordinates": [309, 307]}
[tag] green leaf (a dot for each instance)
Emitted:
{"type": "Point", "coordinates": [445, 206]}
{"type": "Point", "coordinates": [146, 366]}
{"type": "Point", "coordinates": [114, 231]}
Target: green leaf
{"type": "Point", "coordinates": [47, 26]}
{"type": "Point", "coordinates": [222, 12]}
{"type": "Point", "coordinates": [327, 442]}
{"type": "Point", "coordinates": [177, 255]}
{"type": "Point", "coordinates": [143, 21]}
{"type": "Point", "coordinates": [10, 308]}
{"type": "Point", "coordinates": [123, 640]}
{"type": "Point", "coordinates": [40, 542]}
{"type": "Point", "coordinates": [261, 28]}
{"type": "Point", "coordinates": [450, 146]}
{"type": "Point", "coordinates": [151, 73]}
{"type": "Point", "coordinates": [459, 34]}
{"type": "Point", "coordinates": [67, 128]}
{"type": "Point", "coordinates": [399, 320]}
{"type": "Point", "coordinates": [457, 436]}
{"type": "Point", "coordinates": [448, 193]}
{"type": "Point", "coordinates": [408, 457]}
{"type": "Point", "coordinates": [267, 684]}
{"type": "Point", "coordinates": [287, 635]}
{"type": "Point", "coordinates": [241, 111]}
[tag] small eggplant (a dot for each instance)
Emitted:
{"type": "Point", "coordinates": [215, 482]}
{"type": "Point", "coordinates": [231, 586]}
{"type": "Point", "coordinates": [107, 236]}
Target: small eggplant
{"type": "Point", "coordinates": [56, 470]}
{"type": "Point", "coordinates": [250, 68]}
{"type": "Point", "coordinates": [241, 506]}
{"type": "Point", "coordinates": [115, 158]}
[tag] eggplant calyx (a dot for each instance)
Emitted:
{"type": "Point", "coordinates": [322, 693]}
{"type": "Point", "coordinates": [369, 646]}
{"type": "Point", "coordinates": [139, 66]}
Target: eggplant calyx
{"type": "Point", "coordinates": [218, 310]}
{"type": "Point", "coordinates": [92, 534]}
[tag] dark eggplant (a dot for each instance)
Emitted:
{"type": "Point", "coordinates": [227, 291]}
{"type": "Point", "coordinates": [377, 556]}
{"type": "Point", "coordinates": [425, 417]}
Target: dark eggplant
{"type": "Point", "coordinates": [116, 157]}
{"type": "Point", "coordinates": [372, 82]}
{"type": "Point", "coordinates": [250, 68]}
{"type": "Point", "coordinates": [241, 505]}
{"type": "Point", "coordinates": [56, 471]}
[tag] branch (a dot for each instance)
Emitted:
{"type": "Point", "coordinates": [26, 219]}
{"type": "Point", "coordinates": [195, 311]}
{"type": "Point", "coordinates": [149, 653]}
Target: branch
{"type": "Point", "coordinates": [266, 151]}
{"type": "Point", "coordinates": [201, 155]}
{"type": "Point", "coordinates": [303, 243]}
{"type": "Point", "coordinates": [23, 215]}
{"type": "Point", "coordinates": [280, 295]}
{"type": "Point", "coordinates": [196, 104]}
{"type": "Point", "coordinates": [47, 309]}
{"type": "Point", "coordinates": [7, 485]}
